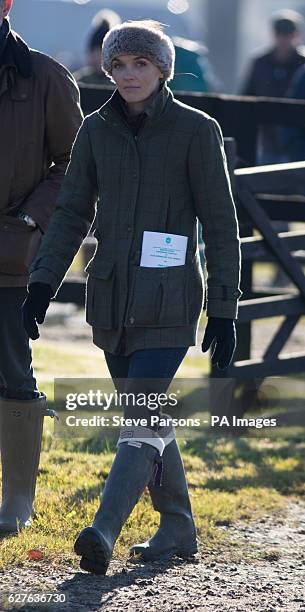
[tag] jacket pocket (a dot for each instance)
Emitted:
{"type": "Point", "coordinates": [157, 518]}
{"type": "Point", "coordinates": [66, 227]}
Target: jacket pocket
{"type": "Point", "coordinates": [159, 297]}
{"type": "Point", "coordinates": [100, 294]}
{"type": "Point", "coordinates": [19, 244]}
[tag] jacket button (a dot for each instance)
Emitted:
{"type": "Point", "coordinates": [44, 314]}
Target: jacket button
{"type": "Point", "coordinates": [135, 176]}
{"type": "Point", "coordinates": [129, 228]}
{"type": "Point", "coordinates": [132, 320]}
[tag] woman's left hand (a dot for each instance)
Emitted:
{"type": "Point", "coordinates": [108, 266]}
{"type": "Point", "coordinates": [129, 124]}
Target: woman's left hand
{"type": "Point", "coordinates": [224, 333]}
{"type": "Point", "coordinates": [34, 307]}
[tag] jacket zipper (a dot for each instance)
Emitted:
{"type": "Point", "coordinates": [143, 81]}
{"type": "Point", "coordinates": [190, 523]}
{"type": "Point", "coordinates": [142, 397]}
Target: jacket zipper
{"type": "Point", "coordinates": [122, 342]}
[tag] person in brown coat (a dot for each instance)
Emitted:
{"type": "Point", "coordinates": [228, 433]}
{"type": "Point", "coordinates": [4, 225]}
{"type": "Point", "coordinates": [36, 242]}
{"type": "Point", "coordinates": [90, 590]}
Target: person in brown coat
{"type": "Point", "coordinates": [156, 165]}
{"type": "Point", "coordinates": [40, 115]}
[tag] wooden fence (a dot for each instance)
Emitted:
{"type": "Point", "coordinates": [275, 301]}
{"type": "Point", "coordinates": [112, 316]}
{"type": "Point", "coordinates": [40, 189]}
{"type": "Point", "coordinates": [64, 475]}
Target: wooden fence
{"type": "Point", "coordinates": [262, 195]}
{"type": "Point", "coordinates": [239, 117]}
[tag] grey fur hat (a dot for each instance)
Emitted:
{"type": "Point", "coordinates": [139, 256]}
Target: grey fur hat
{"type": "Point", "coordinates": [144, 38]}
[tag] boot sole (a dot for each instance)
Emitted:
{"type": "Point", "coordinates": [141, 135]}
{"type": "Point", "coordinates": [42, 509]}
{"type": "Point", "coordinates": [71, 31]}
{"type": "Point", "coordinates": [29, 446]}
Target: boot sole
{"type": "Point", "coordinates": [90, 545]}
{"type": "Point", "coordinates": [146, 555]}
{"type": "Point", "coordinates": [7, 529]}
{"type": "Point", "coordinates": [4, 533]}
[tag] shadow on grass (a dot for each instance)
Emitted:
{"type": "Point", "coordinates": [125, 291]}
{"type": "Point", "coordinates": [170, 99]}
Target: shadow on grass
{"type": "Point", "coordinates": [270, 459]}
{"type": "Point", "coordinates": [240, 451]}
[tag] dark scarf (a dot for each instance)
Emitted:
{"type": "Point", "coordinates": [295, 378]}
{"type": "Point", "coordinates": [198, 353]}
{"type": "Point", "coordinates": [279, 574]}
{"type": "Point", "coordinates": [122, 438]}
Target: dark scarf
{"type": "Point", "coordinates": [14, 51]}
{"type": "Point", "coordinates": [135, 122]}
{"type": "Point", "coordinates": [4, 33]}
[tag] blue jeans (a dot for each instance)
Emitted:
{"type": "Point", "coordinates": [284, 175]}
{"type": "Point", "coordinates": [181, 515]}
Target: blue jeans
{"type": "Point", "coordinates": [160, 364]}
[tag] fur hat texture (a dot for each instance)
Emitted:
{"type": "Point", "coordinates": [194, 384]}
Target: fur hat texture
{"type": "Point", "coordinates": [144, 38]}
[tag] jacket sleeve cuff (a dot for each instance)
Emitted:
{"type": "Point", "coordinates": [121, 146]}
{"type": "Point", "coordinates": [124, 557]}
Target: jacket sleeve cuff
{"type": "Point", "coordinates": [225, 310]}
{"type": "Point", "coordinates": [42, 275]}
{"type": "Point", "coordinates": [43, 270]}
{"type": "Point", "coordinates": [222, 301]}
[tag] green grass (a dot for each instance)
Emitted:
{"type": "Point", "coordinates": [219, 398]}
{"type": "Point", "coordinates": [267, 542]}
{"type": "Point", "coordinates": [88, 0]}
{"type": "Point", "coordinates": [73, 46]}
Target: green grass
{"type": "Point", "coordinates": [229, 479]}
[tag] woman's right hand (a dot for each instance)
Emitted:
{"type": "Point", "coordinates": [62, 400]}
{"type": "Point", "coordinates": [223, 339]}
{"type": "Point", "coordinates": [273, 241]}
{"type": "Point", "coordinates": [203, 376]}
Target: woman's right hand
{"type": "Point", "coordinates": [35, 306]}
{"type": "Point", "coordinates": [222, 331]}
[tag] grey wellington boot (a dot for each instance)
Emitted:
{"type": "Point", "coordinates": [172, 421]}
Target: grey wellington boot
{"type": "Point", "coordinates": [21, 424]}
{"type": "Point", "coordinates": [176, 534]}
{"type": "Point", "coordinates": [131, 471]}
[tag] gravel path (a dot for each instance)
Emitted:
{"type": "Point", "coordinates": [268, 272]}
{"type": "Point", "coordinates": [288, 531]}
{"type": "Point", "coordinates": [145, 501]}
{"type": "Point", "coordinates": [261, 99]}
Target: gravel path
{"type": "Point", "coordinates": [267, 575]}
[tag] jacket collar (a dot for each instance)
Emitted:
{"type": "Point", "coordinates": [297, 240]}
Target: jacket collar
{"type": "Point", "coordinates": [153, 108]}
{"type": "Point", "coordinates": [16, 53]}
{"type": "Point", "coordinates": [156, 105]}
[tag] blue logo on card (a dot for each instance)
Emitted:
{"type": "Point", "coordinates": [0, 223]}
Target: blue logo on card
{"type": "Point", "coordinates": [168, 240]}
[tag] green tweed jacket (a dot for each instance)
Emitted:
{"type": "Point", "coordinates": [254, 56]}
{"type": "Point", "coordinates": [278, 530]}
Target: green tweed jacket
{"type": "Point", "coordinates": [172, 173]}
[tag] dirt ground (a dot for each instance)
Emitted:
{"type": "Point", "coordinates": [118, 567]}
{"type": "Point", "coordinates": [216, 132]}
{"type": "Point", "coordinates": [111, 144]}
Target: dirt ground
{"type": "Point", "coordinates": [267, 575]}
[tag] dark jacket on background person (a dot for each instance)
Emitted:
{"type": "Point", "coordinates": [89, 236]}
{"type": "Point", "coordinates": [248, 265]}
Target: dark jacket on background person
{"type": "Point", "coordinates": [294, 137]}
{"type": "Point", "coordinates": [193, 70]}
{"type": "Point", "coordinates": [271, 78]}
{"type": "Point", "coordinates": [189, 75]}
{"type": "Point", "coordinates": [160, 180]}
{"type": "Point", "coordinates": [40, 115]}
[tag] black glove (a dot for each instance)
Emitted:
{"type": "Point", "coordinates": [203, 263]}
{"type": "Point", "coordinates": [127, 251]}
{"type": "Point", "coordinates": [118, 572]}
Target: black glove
{"type": "Point", "coordinates": [35, 306]}
{"type": "Point", "coordinates": [224, 333]}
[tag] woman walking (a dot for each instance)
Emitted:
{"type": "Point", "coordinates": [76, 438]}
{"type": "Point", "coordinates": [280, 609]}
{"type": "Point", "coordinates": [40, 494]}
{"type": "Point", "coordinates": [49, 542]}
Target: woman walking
{"type": "Point", "coordinates": [153, 166]}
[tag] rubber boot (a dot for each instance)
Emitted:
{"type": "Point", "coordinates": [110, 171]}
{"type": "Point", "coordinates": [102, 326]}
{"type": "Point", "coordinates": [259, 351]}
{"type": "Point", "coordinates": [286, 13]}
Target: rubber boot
{"type": "Point", "coordinates": [176, 534]}
{"type": "Point", "coordinates": [131, 471]}
{"type": "Point", "coordinates": [21, 425]}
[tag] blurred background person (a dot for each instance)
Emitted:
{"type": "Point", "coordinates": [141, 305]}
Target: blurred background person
{"type": "Point", "coordinates": [294, 137]}
{"type": "Point", "coordinates": [193, 71]}
{"type": "Point", "coordinates": [92, 73]}
{"type": "Point", "coordinates": [270, 74]}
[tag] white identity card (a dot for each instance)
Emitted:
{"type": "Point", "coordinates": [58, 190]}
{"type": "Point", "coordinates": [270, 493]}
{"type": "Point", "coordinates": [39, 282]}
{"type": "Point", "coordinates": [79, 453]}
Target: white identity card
{"type": "Point", "coordinates": [161, 250]}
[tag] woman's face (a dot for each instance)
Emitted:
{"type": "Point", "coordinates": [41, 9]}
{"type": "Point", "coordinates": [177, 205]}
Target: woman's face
{"type": "Point", "coordinates": [135, 77]}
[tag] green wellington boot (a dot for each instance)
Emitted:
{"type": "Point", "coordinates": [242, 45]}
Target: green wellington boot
{"type": "Point", "coordinates": [21, 424]}
{"type": "Point", "coordinates": [133, 467]}
{"type": "Point", "coordinates": [176, 534]}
